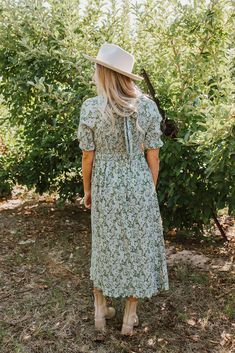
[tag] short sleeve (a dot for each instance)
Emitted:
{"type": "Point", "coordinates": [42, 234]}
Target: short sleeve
{"type": "Point", "coordinates": [153, 133]}
{"type": "Point", "coordinates": [85, 132]}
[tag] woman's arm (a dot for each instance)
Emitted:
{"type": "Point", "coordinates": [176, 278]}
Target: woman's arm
{"type": "Point", "coordinates": [87, 162]}
{"type": "Point", "coordinates": [152, 157]}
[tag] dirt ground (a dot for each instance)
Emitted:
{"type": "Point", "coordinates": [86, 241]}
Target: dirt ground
{"type": "Point", "coordinates": [46, 299]}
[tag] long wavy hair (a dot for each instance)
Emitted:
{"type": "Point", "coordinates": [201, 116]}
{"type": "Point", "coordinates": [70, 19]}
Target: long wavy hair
{"type": "Point", "coordinates": [119, 91]}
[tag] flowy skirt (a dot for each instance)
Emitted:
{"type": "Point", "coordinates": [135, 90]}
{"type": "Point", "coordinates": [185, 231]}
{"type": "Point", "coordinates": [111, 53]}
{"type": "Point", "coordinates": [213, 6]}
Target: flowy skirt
{"type": "Point", "coordinates": [128, 251]}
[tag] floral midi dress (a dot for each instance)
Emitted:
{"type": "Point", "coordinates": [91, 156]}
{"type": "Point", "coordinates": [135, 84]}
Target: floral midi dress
{"type": "Point", "coordinates": [128, 252]}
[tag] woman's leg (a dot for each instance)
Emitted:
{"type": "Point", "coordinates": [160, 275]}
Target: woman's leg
{"type": "Point", "coordinates": [102, 312]}
{"type": "Point", "coordinates": [130, 318]}
{"type": "Point", "coordinates": [99, 303]}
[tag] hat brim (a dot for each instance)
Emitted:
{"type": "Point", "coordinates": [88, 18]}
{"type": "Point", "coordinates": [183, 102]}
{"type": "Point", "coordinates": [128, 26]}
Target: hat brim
{"type": "Point", "coordinates": [133, 76]}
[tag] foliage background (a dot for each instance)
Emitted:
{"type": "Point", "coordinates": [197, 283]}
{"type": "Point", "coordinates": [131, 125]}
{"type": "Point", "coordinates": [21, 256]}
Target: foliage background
{"type": "Point", "coordinates": [188, 53]}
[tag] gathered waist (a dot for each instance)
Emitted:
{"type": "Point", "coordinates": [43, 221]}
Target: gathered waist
{"type": "Point", "coordinates": [119, 156]}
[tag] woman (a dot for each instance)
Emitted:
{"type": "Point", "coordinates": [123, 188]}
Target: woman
{"type": "Point", "coordinates": [119, 134]}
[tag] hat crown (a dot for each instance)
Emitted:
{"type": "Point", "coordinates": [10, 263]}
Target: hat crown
{"type": "Point", "coordinates": [114, 55]}
{"type": "Point", "coordinates": [115, 58]}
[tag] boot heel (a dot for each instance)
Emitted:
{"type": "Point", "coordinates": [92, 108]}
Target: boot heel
{"type": "Point", "coordinates": [136, 321]}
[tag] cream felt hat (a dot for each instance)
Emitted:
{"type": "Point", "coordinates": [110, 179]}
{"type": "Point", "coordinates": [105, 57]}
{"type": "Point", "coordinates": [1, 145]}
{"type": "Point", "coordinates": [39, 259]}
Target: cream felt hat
{"type": "Point", "coordinates": [115, 58]}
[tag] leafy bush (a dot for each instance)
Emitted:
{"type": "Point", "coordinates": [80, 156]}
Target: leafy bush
{"type": "Point", "coordinates": [187, 53]}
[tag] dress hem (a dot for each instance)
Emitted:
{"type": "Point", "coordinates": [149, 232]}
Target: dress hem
{"type": "Point", "coordinates": [110, 293]}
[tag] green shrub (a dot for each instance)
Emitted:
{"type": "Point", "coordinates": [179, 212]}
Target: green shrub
{"type": "Point", "coordinates": [186, 51]}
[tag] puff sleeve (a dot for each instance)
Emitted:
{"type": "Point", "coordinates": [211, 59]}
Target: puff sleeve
{"type": "Point", "coordinates": [153, 133]}
{"type": "Point", "coordinates": [85, 131]}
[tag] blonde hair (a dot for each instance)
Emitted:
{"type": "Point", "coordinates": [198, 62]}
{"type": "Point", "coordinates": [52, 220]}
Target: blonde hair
{"type": "Point", "coordinates": [119, 91]}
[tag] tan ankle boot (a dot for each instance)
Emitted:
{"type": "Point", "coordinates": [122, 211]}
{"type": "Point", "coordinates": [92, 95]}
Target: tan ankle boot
{"type": "Point", "coordinates": [102, 312]}
{"type": "Point", "coordinates": [130, 318]}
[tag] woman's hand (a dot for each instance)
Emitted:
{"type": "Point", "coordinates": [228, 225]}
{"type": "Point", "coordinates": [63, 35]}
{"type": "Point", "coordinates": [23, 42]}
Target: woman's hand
{"type": "Point", "coordinates": [87, 199]}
